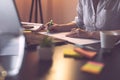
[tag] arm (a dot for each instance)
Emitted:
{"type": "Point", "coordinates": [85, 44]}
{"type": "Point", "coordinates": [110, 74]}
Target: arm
{"type": "Point", "coordinates": [74, 24]}
{"type": "Point", "coordinates": [57, 27]}
{"type": "Point", "coordinates": [62, 27]}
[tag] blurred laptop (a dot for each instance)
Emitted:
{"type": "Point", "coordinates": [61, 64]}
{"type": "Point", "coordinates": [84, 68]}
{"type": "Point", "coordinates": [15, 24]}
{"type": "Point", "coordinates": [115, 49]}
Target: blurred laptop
{"type": "Point", "coordinates": [12, 40]}
{"type": "Point", "coordinates": [9, 20]}
{"type": "Point", "coordinates": [10, 28]}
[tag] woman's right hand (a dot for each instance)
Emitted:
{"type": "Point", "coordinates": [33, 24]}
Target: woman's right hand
{"type": "Point", "coordinates": [52, 28]}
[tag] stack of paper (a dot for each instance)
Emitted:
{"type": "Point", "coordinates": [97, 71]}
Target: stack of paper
{"type": "Point", "coordinates": [62, 36]}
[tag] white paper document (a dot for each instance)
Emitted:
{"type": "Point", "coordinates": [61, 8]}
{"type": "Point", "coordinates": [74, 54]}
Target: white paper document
{"type": "Point", "coordinates": [34, 26]}
{"type": "Point", "coordinates": [62, 36]}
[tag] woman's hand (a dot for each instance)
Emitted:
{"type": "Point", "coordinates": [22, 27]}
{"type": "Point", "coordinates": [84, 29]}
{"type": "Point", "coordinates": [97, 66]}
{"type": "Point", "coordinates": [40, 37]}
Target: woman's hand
{"type": "Point", "coordinates": [47, 27]}
{"type": "Point", "coordinates": [52, 28]}
{"type": "Point", "coordinates": [79, 33]}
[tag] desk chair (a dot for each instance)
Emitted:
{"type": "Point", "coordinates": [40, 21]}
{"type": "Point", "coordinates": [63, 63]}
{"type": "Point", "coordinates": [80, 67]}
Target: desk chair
{"type": "Point", "coordinates": [12, 63]}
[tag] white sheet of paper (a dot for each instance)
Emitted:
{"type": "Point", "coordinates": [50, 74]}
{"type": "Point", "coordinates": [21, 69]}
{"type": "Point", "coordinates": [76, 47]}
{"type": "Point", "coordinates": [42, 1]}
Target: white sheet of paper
{"type": "Point", "coordinates": [34, 25]}
{"type": "Point", "coordinates": [62, 36]}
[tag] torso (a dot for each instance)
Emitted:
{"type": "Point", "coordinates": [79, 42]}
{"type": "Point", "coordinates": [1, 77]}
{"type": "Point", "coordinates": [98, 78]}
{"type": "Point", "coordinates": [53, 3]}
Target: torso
{"type": "Point", "coordinates": [95, 3]}
{"type": "Point", "coordinates": [105, 15]}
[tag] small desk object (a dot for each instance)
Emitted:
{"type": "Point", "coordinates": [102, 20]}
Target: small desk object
{"type": "Point", "coordinates": [3, 73]}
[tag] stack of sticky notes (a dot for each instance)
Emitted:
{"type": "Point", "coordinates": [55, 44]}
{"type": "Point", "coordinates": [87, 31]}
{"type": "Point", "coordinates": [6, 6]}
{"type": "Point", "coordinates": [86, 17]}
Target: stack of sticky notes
{"type": "Point", "coordinates": [92, 67]}
{"type": "Point", "coordinates": [68, 52]}
{"type": "Point", "coordinates": [86, 53]}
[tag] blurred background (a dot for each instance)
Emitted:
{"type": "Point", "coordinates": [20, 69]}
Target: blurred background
{"type": "Point", "coordinates": [61, 11]}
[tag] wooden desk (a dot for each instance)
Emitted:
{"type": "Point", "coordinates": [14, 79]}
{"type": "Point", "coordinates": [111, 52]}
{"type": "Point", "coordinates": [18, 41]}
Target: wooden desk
{"type": "Point", "coordinates": [68, 68]}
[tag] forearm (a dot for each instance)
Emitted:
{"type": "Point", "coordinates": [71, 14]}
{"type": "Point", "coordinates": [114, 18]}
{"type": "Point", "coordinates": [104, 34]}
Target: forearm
{"type": "Point", "coordinates": [67, 27]}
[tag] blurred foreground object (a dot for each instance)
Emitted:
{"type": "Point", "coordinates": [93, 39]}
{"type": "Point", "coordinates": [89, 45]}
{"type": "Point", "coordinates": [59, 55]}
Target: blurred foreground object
{"type": "Point", "coordinates": [3, 73]}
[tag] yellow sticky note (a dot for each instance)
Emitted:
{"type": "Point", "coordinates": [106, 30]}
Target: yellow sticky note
{"type": "Point", "coordinates": [92, 67]}
{"type": "Point", "coordinates": [71, 53]}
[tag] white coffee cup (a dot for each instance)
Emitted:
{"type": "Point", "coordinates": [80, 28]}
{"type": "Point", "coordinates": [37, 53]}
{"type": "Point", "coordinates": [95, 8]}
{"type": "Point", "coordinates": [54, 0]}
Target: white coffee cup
{"type": "Point", "coordinates": [109, 39]}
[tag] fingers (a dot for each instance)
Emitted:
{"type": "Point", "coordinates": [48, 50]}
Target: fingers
{"type": "Point", "coordinates": [77, 33]}
{"type": "Point", "coordinates": [42, 27]}
{"type": "Point", "coordinates": [74, 33]}
{"type": "Point", "coordinates": [52, 28]}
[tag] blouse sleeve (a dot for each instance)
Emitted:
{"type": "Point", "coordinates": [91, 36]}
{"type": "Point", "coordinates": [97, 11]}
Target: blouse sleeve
{"type": "Point", "coordinates": [79, 18]}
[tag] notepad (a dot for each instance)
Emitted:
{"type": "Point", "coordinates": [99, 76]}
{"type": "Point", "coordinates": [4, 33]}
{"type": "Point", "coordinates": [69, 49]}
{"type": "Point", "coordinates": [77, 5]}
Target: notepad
{"type": "Point", "coordinates": [68, 52]}
{"type": "Point", "coordinates": [86, 53]}
{"type": "Point", "coordinates": [92, 67]}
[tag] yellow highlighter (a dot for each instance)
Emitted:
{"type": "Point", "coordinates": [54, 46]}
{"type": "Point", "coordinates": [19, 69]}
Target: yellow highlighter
{"type": "Point", "coordinates": [49, 24]}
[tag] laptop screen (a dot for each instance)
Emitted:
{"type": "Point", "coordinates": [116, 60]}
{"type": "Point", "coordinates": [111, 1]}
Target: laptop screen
{"type": "Point", "coordinates": [9, 19]}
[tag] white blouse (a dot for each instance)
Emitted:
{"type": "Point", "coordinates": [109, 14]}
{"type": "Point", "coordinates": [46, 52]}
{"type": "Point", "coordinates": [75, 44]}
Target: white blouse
{"type": "Point", "coordinates": [106, 17]}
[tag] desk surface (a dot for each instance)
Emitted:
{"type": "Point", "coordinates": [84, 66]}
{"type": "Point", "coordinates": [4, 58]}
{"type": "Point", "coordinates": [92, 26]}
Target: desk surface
{"type": "Point", "coordinates": [62, 68]}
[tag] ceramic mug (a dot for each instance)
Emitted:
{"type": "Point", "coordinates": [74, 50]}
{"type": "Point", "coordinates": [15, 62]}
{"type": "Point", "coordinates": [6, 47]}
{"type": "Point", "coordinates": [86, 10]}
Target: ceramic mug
{"type": "Point", "coordinates": [109, 39]}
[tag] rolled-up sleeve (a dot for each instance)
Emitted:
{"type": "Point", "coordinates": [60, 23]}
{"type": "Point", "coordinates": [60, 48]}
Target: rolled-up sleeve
{"type": "Point", "coordinates": [79, 18]}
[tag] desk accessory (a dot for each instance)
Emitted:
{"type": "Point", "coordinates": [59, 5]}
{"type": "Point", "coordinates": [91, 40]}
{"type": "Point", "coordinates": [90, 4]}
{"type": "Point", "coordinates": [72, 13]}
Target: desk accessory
{"type": "Point", "coordinates": [86, 53]}
{"type": "Point", "coordinates": [3, 73]}
{"type": "Point", "coordinates": [45, 48]}
{"type": "Point", "coordinates": [46, 42]}
{"type": "Point", "coordinates": [68, 52]}
{"type": "Point", "coordinates": [109, 39]}
{"type": "Point", "coordinates": [92, 67]}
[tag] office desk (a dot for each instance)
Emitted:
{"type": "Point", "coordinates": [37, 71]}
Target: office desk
{"type": "Point", "coordinates": [62, 68]}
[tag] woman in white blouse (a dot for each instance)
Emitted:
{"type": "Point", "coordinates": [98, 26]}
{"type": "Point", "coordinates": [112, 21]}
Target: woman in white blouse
{"type": "Point", "coordinates": [93, 16]}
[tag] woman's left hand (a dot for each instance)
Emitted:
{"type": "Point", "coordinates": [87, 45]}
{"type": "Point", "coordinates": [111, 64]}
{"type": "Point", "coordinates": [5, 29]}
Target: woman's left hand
{"type": "Point", "coordinates": [78, 33]}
